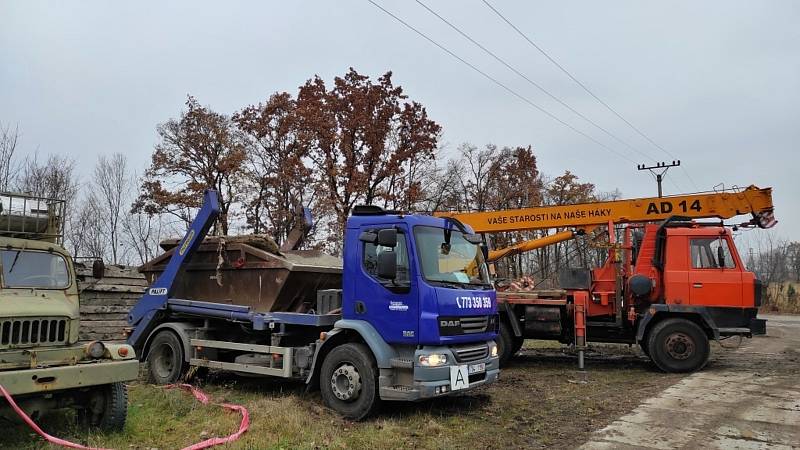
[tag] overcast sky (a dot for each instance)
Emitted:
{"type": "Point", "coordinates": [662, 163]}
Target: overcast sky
{"type": "Point", "coordinates": [717, 84]}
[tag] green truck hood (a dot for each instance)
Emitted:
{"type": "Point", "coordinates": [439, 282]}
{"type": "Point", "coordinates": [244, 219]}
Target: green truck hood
{"type": "Point", "coordinates": [36, 303]}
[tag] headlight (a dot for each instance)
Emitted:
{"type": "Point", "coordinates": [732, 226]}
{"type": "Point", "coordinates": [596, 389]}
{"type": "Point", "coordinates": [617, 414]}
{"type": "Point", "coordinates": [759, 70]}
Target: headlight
{"type": "Point", "coordinates": [433, 359]}
{"type": "Point", "coordinates": [493, 349]}
{"type": "Point", "coordinates": [95, 349]}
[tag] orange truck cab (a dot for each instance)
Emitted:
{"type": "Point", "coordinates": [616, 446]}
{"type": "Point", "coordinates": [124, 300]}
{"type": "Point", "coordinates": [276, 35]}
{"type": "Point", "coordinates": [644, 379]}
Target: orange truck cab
{"type": "Point", "coordinates": [698, 275]}
{"type": "Point", "coordinates": [682, 284]}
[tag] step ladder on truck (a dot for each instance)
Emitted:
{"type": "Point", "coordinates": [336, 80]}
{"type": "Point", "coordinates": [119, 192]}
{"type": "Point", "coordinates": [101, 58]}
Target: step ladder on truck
{"type": "Point", "coordinates": [670, 283]}
{"type": "Point", "coordinates": [396, 319]}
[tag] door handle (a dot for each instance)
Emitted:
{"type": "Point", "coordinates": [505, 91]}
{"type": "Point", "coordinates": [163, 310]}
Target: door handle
{"type": "Point", "coordinates": [697, 285]}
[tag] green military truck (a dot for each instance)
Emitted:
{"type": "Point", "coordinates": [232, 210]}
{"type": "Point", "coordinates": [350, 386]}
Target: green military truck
{"type": "Point", "coordinates": [42, 364]}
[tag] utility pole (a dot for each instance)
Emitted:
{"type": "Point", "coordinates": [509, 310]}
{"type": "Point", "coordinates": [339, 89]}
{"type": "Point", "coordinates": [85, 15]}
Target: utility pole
{"type": "Point", "coordinates": [659, 170]}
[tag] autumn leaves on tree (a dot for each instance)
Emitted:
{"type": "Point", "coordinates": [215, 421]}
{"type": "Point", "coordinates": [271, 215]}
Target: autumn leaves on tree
{"type": "Point", "coordinates": [331, 147]}
{"type": "Point", "coordinates": [198, 151]}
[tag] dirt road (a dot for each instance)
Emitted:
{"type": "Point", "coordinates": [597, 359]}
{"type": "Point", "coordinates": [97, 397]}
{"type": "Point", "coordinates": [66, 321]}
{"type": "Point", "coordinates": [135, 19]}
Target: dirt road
{"type": "Point", "coordinates": [747, 399]}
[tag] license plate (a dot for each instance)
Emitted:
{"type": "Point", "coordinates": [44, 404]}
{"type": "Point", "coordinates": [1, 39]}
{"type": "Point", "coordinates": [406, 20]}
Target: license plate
{"type": "Point", "coordinates": [477, 368]}
{"type": "Point", "coordinates": [459, 375]}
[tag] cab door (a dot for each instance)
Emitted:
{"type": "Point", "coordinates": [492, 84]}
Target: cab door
{"type": "Point", "coordinates": [715, 278]}
{"type": "Point", "coordinates": [391, 306]}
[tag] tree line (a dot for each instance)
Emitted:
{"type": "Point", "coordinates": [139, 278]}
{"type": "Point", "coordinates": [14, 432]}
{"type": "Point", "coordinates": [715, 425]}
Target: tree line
{"type": "Point", "coordinates": [776, 262]}
{"type": "Point", "coordinates": [329, 147]}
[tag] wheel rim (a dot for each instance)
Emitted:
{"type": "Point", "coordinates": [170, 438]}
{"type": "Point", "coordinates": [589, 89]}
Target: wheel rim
{"type": "Point", "coordinates": [679, 346]}
{"type": "Point", "coordinates": [164, 360]}
{"type": "Point", "coordinates": [346, 383]}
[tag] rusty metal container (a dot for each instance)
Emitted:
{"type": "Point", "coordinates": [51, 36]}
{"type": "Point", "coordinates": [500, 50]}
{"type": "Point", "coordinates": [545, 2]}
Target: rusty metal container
{"type": "Point", "coordinates": [251, 271]}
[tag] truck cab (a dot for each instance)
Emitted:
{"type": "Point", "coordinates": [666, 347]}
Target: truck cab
{"type": "Point", "coordinates": [688, 285]}
{"type": "Point", "coordinates": [422, 284]}
{"type": "Point", "coordinates": [42, 363]}
{"type": "Point", "coordinates": [703, 272]}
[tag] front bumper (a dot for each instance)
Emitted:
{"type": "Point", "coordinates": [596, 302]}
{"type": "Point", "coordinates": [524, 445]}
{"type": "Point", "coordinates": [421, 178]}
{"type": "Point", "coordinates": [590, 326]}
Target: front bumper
{"type": "Point", "coordinates": [430, 382]}
{"type": "Point", "coordinates": [50, 379]}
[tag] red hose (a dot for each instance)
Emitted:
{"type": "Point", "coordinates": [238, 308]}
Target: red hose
{"type": "Point", "coordinates": [197, 393]}
{"type": "Point", "coordinates": [203, 398]}
{"type": "Point", "coordinates": [39, 431]}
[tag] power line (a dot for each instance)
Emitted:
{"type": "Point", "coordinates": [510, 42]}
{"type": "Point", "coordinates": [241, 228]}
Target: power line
{"type": "Point", "coordinates": [497, 82]}
{"type": "Point", "coordinates": [583, 86]}
{"type": "Point", "coordinates": [530, 81]}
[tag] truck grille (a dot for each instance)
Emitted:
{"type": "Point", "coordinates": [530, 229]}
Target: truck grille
{"type": "Point", "coordinates": [453, 326]}
{"type": "Point", "coordinates": [470, 352]}
{"type": "Point", "coordinates": [32, 332]}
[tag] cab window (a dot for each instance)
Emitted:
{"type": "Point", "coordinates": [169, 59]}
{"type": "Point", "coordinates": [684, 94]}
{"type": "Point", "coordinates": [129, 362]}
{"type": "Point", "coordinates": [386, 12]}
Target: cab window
{"type": "Point", "coordinates": [370, 258]}
{"type": "Point", "coordinates": [34, 269]}
{"type": "Point", "coordinates": [704, 253]}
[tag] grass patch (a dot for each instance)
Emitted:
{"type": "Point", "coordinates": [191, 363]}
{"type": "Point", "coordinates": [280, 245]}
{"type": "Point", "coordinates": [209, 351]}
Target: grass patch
{"type": "Point", "coordinates": [782, 298]}
{"type": "Point", "coordinates": [537, 403]}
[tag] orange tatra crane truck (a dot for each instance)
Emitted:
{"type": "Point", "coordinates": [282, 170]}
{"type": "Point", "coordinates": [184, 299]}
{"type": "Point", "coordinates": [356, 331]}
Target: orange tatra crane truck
{"type": "Point", "coordinates": [670, 284]}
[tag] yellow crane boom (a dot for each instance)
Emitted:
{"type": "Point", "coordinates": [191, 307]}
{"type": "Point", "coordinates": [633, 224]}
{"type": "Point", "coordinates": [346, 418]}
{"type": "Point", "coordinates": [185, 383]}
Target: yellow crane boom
{"type": "Point", "coordinates": [586, 216]}
{"type": "Point", "coordinates": [722, 205]}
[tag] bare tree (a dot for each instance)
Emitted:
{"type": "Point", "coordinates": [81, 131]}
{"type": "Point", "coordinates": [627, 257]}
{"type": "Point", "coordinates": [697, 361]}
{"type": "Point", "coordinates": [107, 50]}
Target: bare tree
{"type": "Point", "coordinates": [54, 178]}
{"type": "Point", "coordinates": [85, 236]}
{"type": "Point", "coordinates": [8, 146]}
{"type": "Point", "coordinates": [142, 234]}
{"type": "Point", "coordinates": [475, 164]}
{"type": "Point", "coordinates": [437, 185]}
{"type": "Point", "coordinates": [112, 186]}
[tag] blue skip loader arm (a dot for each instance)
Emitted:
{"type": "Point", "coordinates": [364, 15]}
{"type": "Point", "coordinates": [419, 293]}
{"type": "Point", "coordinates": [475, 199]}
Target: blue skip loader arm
{"type": "Point", "coordinates": [155, 297]}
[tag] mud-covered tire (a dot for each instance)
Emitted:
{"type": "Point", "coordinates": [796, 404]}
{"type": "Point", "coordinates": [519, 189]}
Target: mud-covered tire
{"type": "Point", "coordinates": [505, 343]}
{"type": "Point", "coordinates": [165, 358]}
{"type": "Point", "coordinates": [106, 407]}
{"type": "Point", "coordinates": [349, 381]}
{"type": "Point", "coordinates": [678, 345]}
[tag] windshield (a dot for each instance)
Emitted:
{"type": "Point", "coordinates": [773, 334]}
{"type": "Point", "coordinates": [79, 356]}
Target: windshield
{"type": "Point", "coordinates": [458, 261]}
{"type": "Point", "coordinates": [32, 269]}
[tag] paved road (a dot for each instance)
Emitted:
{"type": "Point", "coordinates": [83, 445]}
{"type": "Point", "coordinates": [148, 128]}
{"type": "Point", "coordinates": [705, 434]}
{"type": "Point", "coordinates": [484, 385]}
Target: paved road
{"type": "Point", "coordinates": [744, 399]}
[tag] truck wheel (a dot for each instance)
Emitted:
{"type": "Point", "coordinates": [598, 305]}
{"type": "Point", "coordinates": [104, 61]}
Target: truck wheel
{"type": "Point", "coordinates": [678, 345]}
{"type": "Point", "coordinates": [349, 381]}
{"type": "Point", "coordinates": [505, 344]}
{"type": "Point", "coordinates": [107, 407]}
{"type": "Point", "coordinates": [165, 358]}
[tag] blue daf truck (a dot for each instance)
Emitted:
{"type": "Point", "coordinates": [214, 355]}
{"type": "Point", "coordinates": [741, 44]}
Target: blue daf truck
{"type": "Point", "coordinates": [412, 314]}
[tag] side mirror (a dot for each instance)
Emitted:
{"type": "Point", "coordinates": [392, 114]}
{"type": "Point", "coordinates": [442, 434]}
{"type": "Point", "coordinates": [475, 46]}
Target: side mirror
{"type": "Point", "coordinates": [721, 257]}
{"type": "Point", "coordinates": [387, 265]}
{"type": "Point", "coordinates": [387, 237]}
